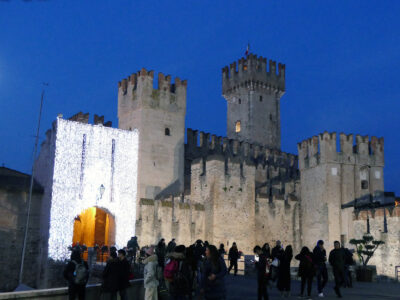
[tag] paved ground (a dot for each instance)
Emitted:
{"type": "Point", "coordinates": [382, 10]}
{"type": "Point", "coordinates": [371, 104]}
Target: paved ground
{"type": "Point", "coordinates": [242, 288]}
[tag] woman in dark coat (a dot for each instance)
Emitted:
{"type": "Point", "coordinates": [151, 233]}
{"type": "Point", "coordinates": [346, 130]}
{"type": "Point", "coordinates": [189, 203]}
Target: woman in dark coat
{"type": "Point", "coordinates": [213, 277]}
{"type": "Point", "coordinates": [284, 271]}
{"type": "Point", "coordinates": [266, 250]}
{"type": "Point", "coordinates": [306, 270]}
{"type": "Point", "coordinates": [111, 276]}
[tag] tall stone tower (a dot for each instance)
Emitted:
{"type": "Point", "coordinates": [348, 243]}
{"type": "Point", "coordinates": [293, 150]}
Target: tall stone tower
{"type": "Point", "coordinates": [332, 181]}
{"type": "Point", "coordinates": [253, 93]}
{"type": "Point", "coordinates": [159, 115]}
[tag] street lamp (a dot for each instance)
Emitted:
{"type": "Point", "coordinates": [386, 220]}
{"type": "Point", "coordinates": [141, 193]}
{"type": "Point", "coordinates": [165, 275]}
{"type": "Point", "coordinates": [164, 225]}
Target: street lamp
{"type": "Point", "coordinates": [102, 189]}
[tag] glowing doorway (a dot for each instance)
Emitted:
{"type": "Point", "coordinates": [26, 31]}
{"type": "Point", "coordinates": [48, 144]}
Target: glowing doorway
{"type": "Point", "coordinates": [94, 226]}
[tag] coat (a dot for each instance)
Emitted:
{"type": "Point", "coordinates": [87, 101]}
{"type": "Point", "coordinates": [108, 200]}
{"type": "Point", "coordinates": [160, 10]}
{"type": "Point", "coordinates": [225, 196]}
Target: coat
{"type": "Point", "coordinates": [233, 254]}
{"type": "Point", "coordinates": [150, 272]}
{"type": "Point", "coordinates": [319, 256]}
{"type": "Point", "coordinates": [306, 267]}
{"type": "Point", "coordinates": [337, 259]}
{"type": "Point", "coordinates": [125, 270]}
{"type": "Point", "coordinates": [215, 288]}
{"type": "Point", "coordinates": [111, 276]}
{"type": "Point", "coordinates": [70, 269]}
{"type": "Point", "coordinates": [185, 270]}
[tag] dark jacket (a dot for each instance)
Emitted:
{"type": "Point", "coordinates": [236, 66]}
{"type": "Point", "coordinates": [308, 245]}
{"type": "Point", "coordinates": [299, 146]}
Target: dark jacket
{"type": "Point", "coordinates": [161, 251]}
{"type": "Point", "coordinates": [233, 254]}
{"type": "Point", "coordinates": [337, 259]}
{"type": "Point", "coordinates": [133, 244]}
{"type": "Point", "coordinates": [125, 270]}
{"type": "Point", "coordinates": [171, 247]}
{"type": "Point", "coordinates": [70, 269]}
{"type": "Point", "coordinates": [261, 266]}
{"type": "Point", "coordinates": [222, 251]}
{"type": "Point", "coordinates": [276, 252]}
{"type": "Point", "coordinates": [306, 266]}
{"type": "Point", "coordinates": [266, 252]}
{"type": "Point", "coordinates": [284, 271]}
{"type": "Point", "coordinates": [319, 256]}
{"type": "Point", "coordinates": [186, 271]}
{"type": "Point", "coordinates": [215, 288]}
{"type": "Point", "coordinates": [111, 276]}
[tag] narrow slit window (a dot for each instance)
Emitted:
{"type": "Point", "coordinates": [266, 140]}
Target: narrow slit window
{"type": "Point", "coordinates": [167, 132]}
{"type": "Point", "coordinates": [260, 98]}
{"type": "Point", "coordinates": [237, 129]}
{"type": "Point", "coordinates": [240, 101]}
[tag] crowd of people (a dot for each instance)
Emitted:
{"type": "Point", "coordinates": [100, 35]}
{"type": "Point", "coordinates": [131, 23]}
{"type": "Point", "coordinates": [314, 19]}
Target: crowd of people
{"type": "Point", "coordinates": [198, 271]}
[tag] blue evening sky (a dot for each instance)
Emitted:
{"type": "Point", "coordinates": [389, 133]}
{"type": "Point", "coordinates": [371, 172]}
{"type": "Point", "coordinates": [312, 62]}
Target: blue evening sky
{"type": "Point", "coordinates": [342, 63]}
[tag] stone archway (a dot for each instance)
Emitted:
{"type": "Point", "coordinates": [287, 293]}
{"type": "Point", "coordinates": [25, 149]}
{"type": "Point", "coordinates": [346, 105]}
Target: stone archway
{"type": "Point", "coordinates": [94, 226]}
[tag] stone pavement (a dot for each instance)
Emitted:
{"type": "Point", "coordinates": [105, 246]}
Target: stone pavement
{"type": "Point", "coordinates": [244, 287]}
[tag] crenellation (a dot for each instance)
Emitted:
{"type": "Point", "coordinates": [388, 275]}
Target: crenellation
{"type": "Point", "coordinates": [253, 70]}
{"type": "Point", "coordinates": [323, 149]}
{"type": "Point", "coordinates": [251, 153]}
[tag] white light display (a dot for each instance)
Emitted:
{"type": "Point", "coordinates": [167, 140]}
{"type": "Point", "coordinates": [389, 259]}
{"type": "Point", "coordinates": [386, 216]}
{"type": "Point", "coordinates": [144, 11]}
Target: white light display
{"type": "Point", "coordinates": [83, 178]}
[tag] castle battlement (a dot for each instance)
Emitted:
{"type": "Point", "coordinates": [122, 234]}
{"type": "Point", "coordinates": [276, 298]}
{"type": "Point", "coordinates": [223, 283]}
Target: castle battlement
{"type": "Point", "coordinates": [135, 80]}
{"type": "Point", "coordinates": [324, 149]}
{"type": "Point", "coordinates": [137, 90]}
{"type": "Point", "coordinates": [253, 71]}
{"type": "Point", "coordinates": [201, 144]}
{"type": "Point", "coordinates": [84, 118]}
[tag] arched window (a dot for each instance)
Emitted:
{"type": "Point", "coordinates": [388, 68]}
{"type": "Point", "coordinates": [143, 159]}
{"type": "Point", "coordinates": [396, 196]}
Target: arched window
{"type": "Point", "coordinates": [237, 126]}
{"type": "Point", "coordinates": [167, 131]}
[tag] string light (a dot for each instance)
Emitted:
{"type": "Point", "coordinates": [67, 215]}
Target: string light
{"type": "Point", "coordinates": [76, 188]}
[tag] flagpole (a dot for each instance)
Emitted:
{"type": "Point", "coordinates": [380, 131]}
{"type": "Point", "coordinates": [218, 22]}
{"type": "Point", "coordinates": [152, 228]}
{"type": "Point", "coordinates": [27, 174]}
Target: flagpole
{"type": "Point", "coordinates": [21, 270]}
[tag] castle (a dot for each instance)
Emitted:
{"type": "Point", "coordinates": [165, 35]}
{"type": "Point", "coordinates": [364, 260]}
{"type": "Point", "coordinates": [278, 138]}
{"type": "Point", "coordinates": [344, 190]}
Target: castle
{"type": "Point", "coordinates": [240, 188]}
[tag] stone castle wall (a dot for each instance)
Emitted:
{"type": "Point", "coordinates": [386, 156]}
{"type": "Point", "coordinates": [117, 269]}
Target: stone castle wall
{"type": "Point", "coordinates": [388, 255]}
{"type": "Point", "coordinates": [331, 178]}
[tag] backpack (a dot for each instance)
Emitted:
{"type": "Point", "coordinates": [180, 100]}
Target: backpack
{"type": "Point", "coordinates": [170, 269]}
{"type": "Point", "coordinates": [80, 273]}
{"type": "Point", "coordinates": [181, 280]}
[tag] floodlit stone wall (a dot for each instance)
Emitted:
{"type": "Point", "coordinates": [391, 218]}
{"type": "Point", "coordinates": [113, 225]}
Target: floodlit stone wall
{"type": "Point", "coordinates": [388, 255]}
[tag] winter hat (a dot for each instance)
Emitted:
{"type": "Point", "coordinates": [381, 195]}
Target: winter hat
{"type": "Point", "coordinates": [150, 251]}
{"type": "Point", "coordinates": [180, 249]}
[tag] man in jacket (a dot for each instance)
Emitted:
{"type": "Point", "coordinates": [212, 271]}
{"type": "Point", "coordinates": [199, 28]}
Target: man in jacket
{"type": "Point", "coordinates": [150, 275]}
{"type": "Point", "coordinates": [124, 269]}
{"type": "Point", "coordinates": [77, 274]}
{"type": "Point", "coordinates": [111, 276]}
{"type": "Point", "coordinates": [337, 260]}
{"type": "Point", "coordinates": [171, 246]}
{"type": "Point", "coordinates": [233, 257]}
{"type": "Point", "coordinates": [319, 253]}
{"type": "Point", "coordinates": [133, 246]}
{"type": "Point", "coordinates": [261, 266]}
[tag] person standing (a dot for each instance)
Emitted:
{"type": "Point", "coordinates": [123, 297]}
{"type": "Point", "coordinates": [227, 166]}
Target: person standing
{"type": "Point", "coordinates": [77, 274]}
{"type": "Point", "coordinates": [284, 271]}
{"type": "Point", "coordinates": [277, 250]}
{"type": "Point", "coordinates": [111, 277]}
{"type": "Point", "coordinates": [319, 254]}
{"type": "Point", "coordinates": [261, 267]}
{"type": "Point", "coordinates": [124, 271]}
{"type": "Point", "coordinates": [233, 257]}
{"type": "Point", "coordinates": [133, 246]}
{"type": "Point", "coordinates": [349, 261]}
{"type": "Point", "coordinates": [266, 250]}
{"type": "Point", "coordinates": [171, 246]}
{"type": "Point", "coordinates": [150, 275]}
{"type": "Point", "coordinates": [161, 251]}
{"type": "Point", "coordinates": [213, 277]}
{"type": "Point", "coordinates": [177, 273]}
{"type": "Point", "coordinates": [337, 260]}
{"type": "Point", "coordinates": [221, 250]}
{"type": "Point", "coordinates": [306, 271]}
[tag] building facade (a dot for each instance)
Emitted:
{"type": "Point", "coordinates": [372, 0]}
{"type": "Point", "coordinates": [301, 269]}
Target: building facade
{"type": "Point", "coordinates": [241, 188]}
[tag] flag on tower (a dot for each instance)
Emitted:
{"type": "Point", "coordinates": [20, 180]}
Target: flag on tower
{"type": "Point", "coordinates": [247, 49]}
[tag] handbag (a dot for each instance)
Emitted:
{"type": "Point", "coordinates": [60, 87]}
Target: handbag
{"type": "Point", "coordinates": [275, 263]}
